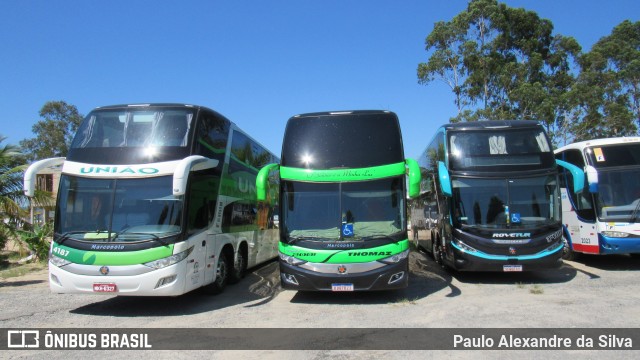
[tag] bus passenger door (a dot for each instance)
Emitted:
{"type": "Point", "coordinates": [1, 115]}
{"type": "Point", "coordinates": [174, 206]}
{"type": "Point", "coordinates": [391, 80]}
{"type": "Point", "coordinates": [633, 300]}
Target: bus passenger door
{"type": "Point", "coordinates": [195, 275]}
{"type": "Point", "coordinates": [210, 259]}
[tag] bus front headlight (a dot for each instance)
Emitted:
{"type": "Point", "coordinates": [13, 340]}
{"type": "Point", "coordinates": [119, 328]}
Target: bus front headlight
{"type": "Point", "coordinates": [291, 260]}
{"type": "Point", "coordinates": [170, 260]}
{"type": "Point", "coordinates": [615, 234]}
{"type": "Point", "coordinates": [58, 261]}
{"type": "Point", "coordinates": [394, 259]}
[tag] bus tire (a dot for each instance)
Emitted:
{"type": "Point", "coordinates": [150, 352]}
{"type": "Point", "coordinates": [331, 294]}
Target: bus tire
{"type": "Point", "coordinates": [222, 276]}
{"type": "Point", "coordinates": [239, 268]}
{"type": "Point", "coordinates": [567, 252]}
{"type": "Point", "coordinates": [435, 251]}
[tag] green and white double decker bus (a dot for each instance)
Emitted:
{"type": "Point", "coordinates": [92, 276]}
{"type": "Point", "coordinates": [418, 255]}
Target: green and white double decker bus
{"type": "Point", "coordinates": [342, 214]}
{"type": "Point", "coordinates": [157, 199]}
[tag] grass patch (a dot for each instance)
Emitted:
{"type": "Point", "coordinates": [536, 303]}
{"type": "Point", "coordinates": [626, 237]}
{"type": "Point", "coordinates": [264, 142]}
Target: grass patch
{"type": "Point", "coordinates": [21, 270]}
{"type": "Point", "coordinates": [406, 301]}
{"type": "Point", "coordinates": [536, 290]}
{"type": "Point", "coordinates": [10, 268]}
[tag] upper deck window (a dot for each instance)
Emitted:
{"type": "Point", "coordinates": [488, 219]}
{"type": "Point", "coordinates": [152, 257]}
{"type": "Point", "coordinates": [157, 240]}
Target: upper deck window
{"type": "Point", "coordinates": [134, 128]}
{"type": "Point", "coordinates": [626, 154]}
{"type": "Point", "coordinates": [348, 140]}
{"type": "Point", "coordinates": [486, 149]}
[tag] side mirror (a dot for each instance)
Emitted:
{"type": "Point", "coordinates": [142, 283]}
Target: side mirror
{"type": "Point", "coordinates": [186, 165]}
{"type": "Point", "coordinates": [29, 185]}
{"type": "Point", "coordinates": [578, 175]}
{"type": "Point", "coordinates": [414, 177]}
{"type": "Point", "coordinates": [262, 179]}
{"type": "Point", "coordinates": [592, 178]}
{"type": "Point", "coordinates": [445, 180]}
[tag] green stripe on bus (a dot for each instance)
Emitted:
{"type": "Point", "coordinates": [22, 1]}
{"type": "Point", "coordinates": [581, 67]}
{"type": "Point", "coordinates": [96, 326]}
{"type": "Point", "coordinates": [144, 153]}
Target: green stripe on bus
{"type": "Point", "coordinates": [344, 256]}
{"type": "Point", "coordinates": [89, 257]}
{"type": "Point", "coordinates": [360, 174]}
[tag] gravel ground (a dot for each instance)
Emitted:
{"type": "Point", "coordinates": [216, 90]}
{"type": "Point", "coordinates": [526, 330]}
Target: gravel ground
{"type": "Point", "coordinates": [594, 292]}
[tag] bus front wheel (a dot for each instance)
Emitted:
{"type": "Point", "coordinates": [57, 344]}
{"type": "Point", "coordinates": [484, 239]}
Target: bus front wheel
{"type": "Point", "coordinates": [435, 251]}
{"type": "Point", "coordinates": [567, 252]}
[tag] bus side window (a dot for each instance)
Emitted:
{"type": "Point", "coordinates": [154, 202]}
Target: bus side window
{"type": "Point", "coordinates": [582, 201]}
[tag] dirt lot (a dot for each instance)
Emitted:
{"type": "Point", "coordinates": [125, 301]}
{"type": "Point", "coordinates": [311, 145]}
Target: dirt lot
{"type": "Point", "coordinates": [594, 292]}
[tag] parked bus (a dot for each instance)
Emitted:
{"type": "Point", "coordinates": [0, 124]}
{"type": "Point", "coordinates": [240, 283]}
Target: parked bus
{"type": "Point", "coordinates": [495, 187]}
{"type": "Point", "coordinates": [157, 199]}
{"type": "Point", "coordinates": [342, 202]}
{"type": "Point", "coordinates": [602, 219]}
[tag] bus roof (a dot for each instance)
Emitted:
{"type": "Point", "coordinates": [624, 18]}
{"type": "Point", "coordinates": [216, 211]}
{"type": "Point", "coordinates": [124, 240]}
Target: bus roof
{"type": "Point", "coordinates": [345, 112]}
{"type": "Point", "coordinates": [599, 142]}
{"type": "Point", "coordinates": [491, 124]}
{"type": "Point", "coordinates": [141, 105]}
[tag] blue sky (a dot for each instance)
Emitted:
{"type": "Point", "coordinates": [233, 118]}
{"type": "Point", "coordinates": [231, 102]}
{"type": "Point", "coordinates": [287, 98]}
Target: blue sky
{"type": "Point", "coordinates": [256, 62]}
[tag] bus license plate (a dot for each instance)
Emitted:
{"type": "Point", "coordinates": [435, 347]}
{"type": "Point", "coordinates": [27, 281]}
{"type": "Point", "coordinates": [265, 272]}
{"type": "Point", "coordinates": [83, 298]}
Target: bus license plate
{"type": "Point", "coordinates": [102, 287]}
{"type": "Point", "coordinates": [341, 287]}
{"type": "Point", "coordinates": [511, 268]}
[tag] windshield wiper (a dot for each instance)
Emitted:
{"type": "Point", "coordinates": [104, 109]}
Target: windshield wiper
{"type": "Point", "coordinates": [378, 237]}
{"type": "Point", "coordinates": [295, 239]}
{"type": "Point", "coordinates": [66, 236]}
{"type": "Point", "coordinates": [152, 236]}
{"type": "Point", "coordinates": [634, 214]}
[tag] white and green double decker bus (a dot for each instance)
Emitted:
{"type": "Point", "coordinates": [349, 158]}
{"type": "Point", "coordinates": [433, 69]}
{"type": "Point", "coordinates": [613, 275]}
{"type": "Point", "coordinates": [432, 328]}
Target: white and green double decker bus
{"type": "Point", "coordinates": [157, 199]}
{"type": "Point", "coordinates": [342, 214]}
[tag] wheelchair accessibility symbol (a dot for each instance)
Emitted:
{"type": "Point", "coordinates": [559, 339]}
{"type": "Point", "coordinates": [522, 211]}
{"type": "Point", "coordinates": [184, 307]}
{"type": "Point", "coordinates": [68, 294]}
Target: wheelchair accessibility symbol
{"type": "Point", "coordinates": [347, 230]}
{"type": "Point", "coordinates": [515, 218]}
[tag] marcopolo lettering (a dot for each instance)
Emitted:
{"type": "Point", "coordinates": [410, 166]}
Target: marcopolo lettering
{"type": "Point", "coordinates": [122, 170]}
{"type": "Point", "coordinates": [107, 247]}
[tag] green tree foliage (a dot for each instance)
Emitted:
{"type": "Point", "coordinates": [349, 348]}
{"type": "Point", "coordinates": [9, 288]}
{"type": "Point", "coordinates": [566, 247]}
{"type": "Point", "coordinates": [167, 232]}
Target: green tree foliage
{"type": "Point", "coordinates": [38, 240]}
{"type": "Point", "coordinates": [12, 198]}
{"type": "Point", "coordinates": [608, 89]}
{"type": "Point", "coordinates": [11, 195]}
{"type": "Point", "coordinates": [502, 63]}
{"type": "Point", "coordinates": [54, 132]}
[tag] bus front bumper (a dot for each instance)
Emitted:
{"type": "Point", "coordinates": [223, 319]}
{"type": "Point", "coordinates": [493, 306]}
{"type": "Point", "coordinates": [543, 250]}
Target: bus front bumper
{"type": "Point", "coordinates": [386, 277]}
{"type": "Point", "coordinates": [626, 245]}
{"type": "Point", "coordinates": [169, 281]}
{"type": "Point", "coordinates": [463, 260]}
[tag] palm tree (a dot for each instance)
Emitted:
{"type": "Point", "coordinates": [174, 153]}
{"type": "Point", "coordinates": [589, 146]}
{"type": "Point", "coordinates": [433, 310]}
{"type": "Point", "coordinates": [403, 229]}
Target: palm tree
{"type": "Point", "coordinates": [12, 199]}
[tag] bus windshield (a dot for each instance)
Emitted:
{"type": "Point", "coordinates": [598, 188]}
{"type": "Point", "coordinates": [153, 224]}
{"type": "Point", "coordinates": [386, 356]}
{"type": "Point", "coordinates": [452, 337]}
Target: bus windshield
{"type": "Point", "coordinates": [618, 197]}
{"type": "Point", "coordinates": [482, 150]}
{"type": "Point", "coordinates": [117, 210]}
{"type": "Point", "coordinates": [506, 203]}
{"type": "Point", "coordinates": [358, 211]}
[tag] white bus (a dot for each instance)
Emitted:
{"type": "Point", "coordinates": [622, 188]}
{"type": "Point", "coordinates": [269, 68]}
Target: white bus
{"type": "Point", "coordinates": [602, 219]}
{"type": "Point", "coordinates": [158, 199]}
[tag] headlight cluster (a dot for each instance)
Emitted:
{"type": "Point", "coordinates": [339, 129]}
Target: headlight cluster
{"type": "Point", "coordinates": [58, 261]}
{"type": "Point", "coordinates": [291, 260]}
{"type": "Point", "coordinates": [615, 234]}
{"type": "Point", "coordinates": [465, 247]}
{"type": "Point", "coordinates": [394, 259]}
{"type": "Point", "coordinates": [170, 260]}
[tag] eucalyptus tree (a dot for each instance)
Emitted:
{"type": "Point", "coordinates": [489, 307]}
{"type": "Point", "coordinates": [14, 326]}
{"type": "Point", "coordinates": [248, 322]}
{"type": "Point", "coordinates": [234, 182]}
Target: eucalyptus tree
{"type": "Point", "coordinates": [54, 131]}
{"type": "Point", "coordinates": [608, 89]}
{"type": "Point", "coordinates": [502, 63]}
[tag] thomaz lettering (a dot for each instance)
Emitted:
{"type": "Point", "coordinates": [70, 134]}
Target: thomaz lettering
{"type": "Point", "coordinates": [370, 253]}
